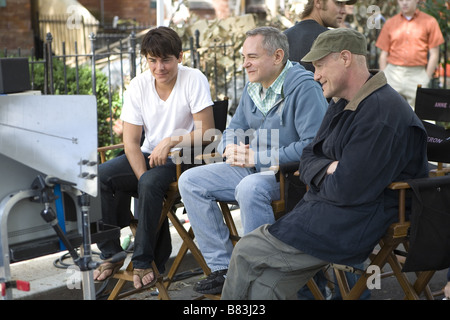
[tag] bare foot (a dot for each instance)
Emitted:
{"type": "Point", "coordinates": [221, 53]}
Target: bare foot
{"type": "Point", "coordinates": [142, 277]}
{"type": "Point", "coordinates": [106, 270]}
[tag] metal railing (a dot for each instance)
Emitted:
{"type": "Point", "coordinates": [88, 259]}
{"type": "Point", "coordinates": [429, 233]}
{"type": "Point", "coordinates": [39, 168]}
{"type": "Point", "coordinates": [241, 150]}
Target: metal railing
{"type": "Point", "coordinates": [123, 56]}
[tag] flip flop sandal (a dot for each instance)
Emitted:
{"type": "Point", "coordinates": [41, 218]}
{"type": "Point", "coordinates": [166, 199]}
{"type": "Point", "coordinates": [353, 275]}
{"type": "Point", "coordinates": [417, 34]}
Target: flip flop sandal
{"type": "Point", "coordinates": [109, 266]}
{"type": "Point", "coordinates": [142, 273]}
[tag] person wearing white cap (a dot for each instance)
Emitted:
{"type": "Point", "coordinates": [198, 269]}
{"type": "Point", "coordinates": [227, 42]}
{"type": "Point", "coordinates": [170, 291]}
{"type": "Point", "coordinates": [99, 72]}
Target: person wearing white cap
{"type": "Point", "coordinates": [317, 17]}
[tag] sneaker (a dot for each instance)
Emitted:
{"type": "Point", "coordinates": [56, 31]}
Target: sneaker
{"type": "Point", "coordinates": [213, 283]}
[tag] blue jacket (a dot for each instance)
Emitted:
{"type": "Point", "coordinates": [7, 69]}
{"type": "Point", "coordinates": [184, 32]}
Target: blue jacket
{"type": "Point", "coordinates": [377, 139]}
{"type": "Point", "coordinates": [280, 136]}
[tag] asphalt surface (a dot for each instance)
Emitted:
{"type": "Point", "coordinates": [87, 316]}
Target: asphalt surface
{"type": "Point", "coordinates": [52, 278]}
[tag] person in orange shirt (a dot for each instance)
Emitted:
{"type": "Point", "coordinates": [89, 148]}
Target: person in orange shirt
{"type": "Point", "coordinates": [409, 43]}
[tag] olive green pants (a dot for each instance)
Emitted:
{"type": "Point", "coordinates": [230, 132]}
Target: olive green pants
{"type": "Point", "coordinates": [264, 268]}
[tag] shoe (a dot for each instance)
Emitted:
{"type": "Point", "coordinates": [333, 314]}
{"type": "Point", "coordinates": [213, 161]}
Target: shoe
{"type": "Point", "coordinates": [114, 267]}
{"type": "Point", "coordinates": [142, 273]}
{"type": "Point", "coordinates": [213, 283]}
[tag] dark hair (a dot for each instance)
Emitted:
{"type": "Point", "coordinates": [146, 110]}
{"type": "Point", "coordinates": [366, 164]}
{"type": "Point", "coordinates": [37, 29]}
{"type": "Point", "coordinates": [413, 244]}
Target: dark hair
{"type": "Point", "coordinates": [161, 42]}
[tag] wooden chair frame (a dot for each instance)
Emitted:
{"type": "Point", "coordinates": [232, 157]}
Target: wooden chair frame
{"type": "Point", "coordinates": [396, 235]}
{"type": "Point", "coordinates": [127, 275]}
{"type": "Point", "coordinates": [172, 197]}
{"type": "Point", "coordinates": [279, 208]}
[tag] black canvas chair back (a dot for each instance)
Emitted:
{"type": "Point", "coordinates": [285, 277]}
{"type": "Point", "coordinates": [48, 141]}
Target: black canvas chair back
{"type": "Point", "coordinates": [438, 146]}
{"type": "Point", "coordinates": [433, 108]}
{"type": "Point", "coordinates": [190, 157]}
{"type": "Point", "coordinates": [220, 110]}
{"type": "Point", "coordinates": [429, 235]}
{"type": "Point", "coordinates": [433, 104]}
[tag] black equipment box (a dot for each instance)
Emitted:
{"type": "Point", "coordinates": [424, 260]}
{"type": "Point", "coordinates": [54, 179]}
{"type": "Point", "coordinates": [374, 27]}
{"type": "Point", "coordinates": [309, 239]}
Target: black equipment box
{"type": "Point", "coordinates": [14, 75]}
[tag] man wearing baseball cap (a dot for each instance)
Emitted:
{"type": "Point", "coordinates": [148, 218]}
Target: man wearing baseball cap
{"type": "Point", "coordinates": [368, 138]}
{"type": "Point", "coordinates": [317, 17]}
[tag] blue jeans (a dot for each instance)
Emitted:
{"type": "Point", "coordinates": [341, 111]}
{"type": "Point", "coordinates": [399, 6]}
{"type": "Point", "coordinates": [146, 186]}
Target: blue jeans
{"type": "Point", "coordinates": [352, 278]}
{"type": "Point", "coordinates": [201, 187]}
{"type": "Point", "coordinates": [305, 294]}
{"type": "Point", "coordinates": [117, 184]}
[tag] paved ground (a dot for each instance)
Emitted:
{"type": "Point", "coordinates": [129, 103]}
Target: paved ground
{"type": "Point", "coordinates": [51, 283]}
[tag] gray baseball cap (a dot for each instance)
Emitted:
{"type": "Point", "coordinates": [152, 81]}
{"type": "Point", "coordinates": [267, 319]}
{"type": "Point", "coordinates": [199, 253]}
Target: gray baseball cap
{"type": "Point", "coordinates": [336, 40]}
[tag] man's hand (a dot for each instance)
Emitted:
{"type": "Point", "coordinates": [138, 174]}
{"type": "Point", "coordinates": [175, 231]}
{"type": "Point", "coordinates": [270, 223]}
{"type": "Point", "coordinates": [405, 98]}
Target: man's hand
{"type": "Point", "coordinates": [240, 155]}
{"type": "Point", "coordinates": [332, 167]}
{"type": "Point", "coordinates": [159, 155]}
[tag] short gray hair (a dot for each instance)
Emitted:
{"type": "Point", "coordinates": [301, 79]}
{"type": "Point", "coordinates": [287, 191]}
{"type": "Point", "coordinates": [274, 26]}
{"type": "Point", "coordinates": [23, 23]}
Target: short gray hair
{"type": "Point", "coordinates": [273, 39]}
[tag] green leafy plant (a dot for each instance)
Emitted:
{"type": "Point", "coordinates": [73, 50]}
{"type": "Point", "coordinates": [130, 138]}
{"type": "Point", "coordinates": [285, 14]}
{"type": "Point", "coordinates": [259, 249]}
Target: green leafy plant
{"type": "Point", "coordinates": [440, 10]}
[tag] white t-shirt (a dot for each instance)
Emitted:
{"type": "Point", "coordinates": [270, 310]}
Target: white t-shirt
{"type": "Point", "coordinates": [161, 119]}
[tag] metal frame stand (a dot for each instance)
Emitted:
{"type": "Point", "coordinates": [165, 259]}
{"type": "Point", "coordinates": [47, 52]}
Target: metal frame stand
{"type": "Point", "coordinates": [5, 208]}
{"type": "Point", "coordinates": [41, 191]}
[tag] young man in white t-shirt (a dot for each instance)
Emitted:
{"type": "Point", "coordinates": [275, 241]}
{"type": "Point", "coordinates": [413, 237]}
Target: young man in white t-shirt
{"type": "Point", "coordinates": [172, 104]}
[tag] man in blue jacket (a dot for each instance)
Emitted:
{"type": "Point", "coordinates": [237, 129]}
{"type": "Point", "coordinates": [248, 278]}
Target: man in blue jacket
{"type": "Point", "coordinates": [279, 113]}
{"type": "Point", "coordinates": [369, 138]}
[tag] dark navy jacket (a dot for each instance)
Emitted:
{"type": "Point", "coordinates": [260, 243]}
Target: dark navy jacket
{"type": "Point", "coordinates": [377, 139]}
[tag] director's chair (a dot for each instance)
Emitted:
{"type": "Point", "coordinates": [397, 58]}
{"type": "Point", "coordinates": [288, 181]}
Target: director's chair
{"type": "Point", "coordinates": [433, 108]}
{"type": "Point", "coordinates": [172, 199]}
{"type": "Point", "coordinates": [290, 193]}
{"type": "Point", "coordinates": [411, 257]}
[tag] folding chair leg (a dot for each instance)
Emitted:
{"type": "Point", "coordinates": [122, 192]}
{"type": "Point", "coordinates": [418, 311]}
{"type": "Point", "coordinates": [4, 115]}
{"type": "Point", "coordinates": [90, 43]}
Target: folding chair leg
{"type": "Point", "coordinates": [386, 254]}
{"type": "Point", "coordinates": [423, 278]}
{"type": "Point", "coordinates": [179, 258]}
{"type": "Point", "coordinates": [188, 244]}
{"type": "Point", "coordinates": [312, 285]}
{"type": "Point", "coordinates": [422, 281]}
{"type": "Point", "coordinates": [361, 285]}
{"type": "Point", "coordinates": [401, 278]}
{"type": "Point", "coordinates": [120, 283]}
{"type": "Point", "coordinates": [163, 293]}
{"type": "Point", "coordinates": [175, 265]}
{"type": "Point", "coordinates": [117, 288]}
{"type": "Point", "coordinates": [234, 235]}
{"type": "Point", "coordinates": [127, 275]}
{"type": "Point", "coordinates": [342, 282]}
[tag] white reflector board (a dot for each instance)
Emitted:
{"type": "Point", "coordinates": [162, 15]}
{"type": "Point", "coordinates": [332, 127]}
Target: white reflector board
{"type": "Point", "coordinates": [53, 134]}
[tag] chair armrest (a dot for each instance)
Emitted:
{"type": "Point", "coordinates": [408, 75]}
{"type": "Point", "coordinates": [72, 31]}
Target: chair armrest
{"type": "Point", "coordinates": [291, 167]}
{"type": "Point", "coordinates": [210, 157]}
{"type": "Point", "coordinates": [401, 187]}
{"type": "Point", "coordinates": [102, 150]}
{"type": "Point", "coordinates": [280, 174]}
{"type": "Point", "coordinates": [285, 168]}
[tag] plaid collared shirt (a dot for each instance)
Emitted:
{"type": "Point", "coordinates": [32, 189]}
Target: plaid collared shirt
{"type": "Point", "coordinates": [266, 103]}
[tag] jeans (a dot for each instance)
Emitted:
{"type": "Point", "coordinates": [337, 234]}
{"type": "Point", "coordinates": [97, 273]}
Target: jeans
{"type": "Point", "coordinates": [305, 294]}
{"type": "Point", "coordinates": [352, 278]}
{"type": "Point", "coordinates": [201, 187]}
{"type": "Point", "coordinates": [117, 184]}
